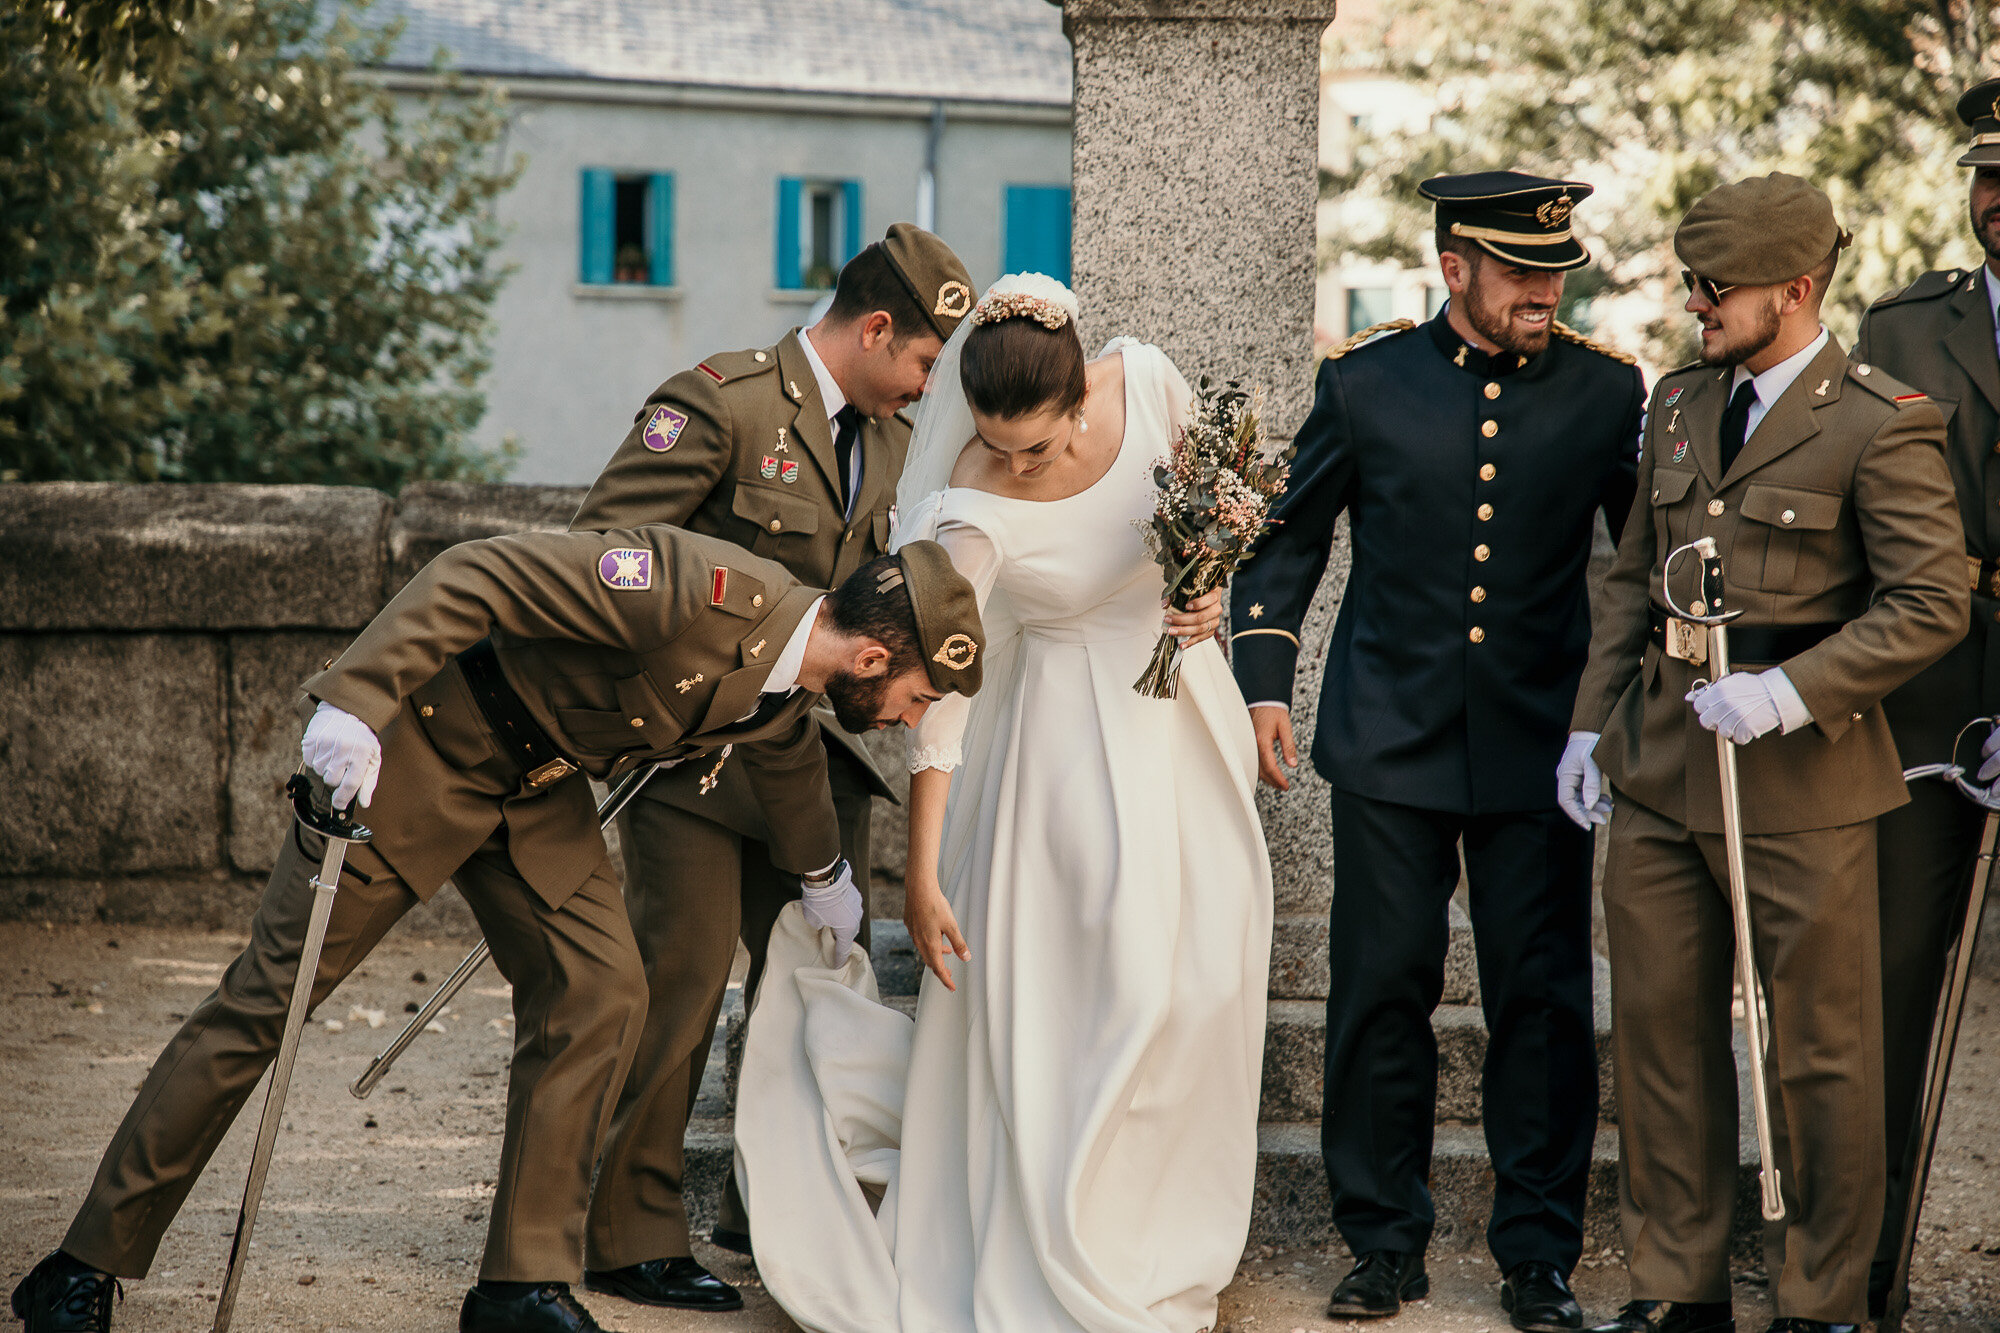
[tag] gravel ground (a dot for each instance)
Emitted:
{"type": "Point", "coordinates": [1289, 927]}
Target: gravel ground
{"type": "Point", "coordinates": [376, 1210]}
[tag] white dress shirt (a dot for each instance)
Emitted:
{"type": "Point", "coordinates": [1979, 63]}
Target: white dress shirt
{"type": "Point", "coordinates": [834, 400]}
{"type": "Point", "coordinates": [784, 677]}
{"type": "Point", "coordinates": [1771, 385]}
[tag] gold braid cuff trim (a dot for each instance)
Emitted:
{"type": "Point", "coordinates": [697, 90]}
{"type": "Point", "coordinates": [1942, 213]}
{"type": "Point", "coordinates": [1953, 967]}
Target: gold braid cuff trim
{"type": "Point", "coordinates": [1246, 633]}
{"type": "Point", "coordinates": [1342, 348]}
{"type": "Point", "coordinates": [1568, 334]}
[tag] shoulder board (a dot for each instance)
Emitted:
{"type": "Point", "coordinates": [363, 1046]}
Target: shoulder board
{"type": "Point", "coordinates": [1342, 348]}
{"type": "Point", "coordinates": [726, 366]}
{"type": "Point", "coordinates": [1568, 334]}
{"type": "Point", "coordinates": [1929, 287]}
{"type": "Point", "coordinates": [1883, 385]}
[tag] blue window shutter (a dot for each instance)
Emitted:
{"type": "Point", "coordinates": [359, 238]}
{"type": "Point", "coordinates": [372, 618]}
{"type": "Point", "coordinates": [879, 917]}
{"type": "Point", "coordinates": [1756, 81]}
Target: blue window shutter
{"type": "Point", "coordinates": [788, 232]}
{"type": "Point", "coordinates": [1036, 230]}
{"type": "Point", "coordinates": [595, 229]}
{"type": "Point", "coordinates": [851, 205]}
{"type": "Point", "coordinates": [660, 228]}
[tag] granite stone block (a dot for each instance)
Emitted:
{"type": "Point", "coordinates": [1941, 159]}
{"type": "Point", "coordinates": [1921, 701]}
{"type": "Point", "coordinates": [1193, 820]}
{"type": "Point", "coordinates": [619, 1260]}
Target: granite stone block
{"type": "Point", "coordinates": [434, 515]}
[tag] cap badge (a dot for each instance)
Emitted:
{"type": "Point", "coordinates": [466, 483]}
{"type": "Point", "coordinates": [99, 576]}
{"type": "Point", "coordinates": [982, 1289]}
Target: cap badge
{"type": "Point", "coordinates": [788, 471]}
{"type": "Point", "coordinates": [958, 652]}
{"type": "Point", "coordinates": [663, 429]}
{"type": "Point", "coordinates": [767, 467]}
{"type": "Point", "coordinates": [1995, 110]}
{"type": "Point", "coordinates": [954, 298]}
{"type": "Point", "coordinates": [1680, 450]}
{"type": "Point", "coordinates": [626, 568]}
{"type": "Point", "coordinates": [1555, 212]}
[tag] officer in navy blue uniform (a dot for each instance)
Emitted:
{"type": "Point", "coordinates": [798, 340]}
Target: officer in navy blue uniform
{"type": "Point", "coordinates": [1471, 455]}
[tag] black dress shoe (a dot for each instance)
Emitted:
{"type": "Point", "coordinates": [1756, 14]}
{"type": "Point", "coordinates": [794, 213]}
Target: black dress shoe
{"type": "Point", "coordinates": [1537, 1295]}
{"type": "Point", "coordinates": [546, 1307]}
{"type": "Point", "coordinates": [679, 1284]}
{"type": "Point", "coordinates": [1377, 1286]}
{"type": "Point", "coordinates": [1671, 1317]}
{"type": "Point", "coordinates": [1793, 1324]}
{"type": "Point", "coordinates": [65, 1295]}
{"type": "Point", "coordinates": [725, 1239]}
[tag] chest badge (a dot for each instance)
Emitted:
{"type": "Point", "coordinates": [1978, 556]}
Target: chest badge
{"type": "Point", "coordinates": [626, 569]}
{"type": "Point", "coordinates": [663, 429]}
{"type": "Point", "coordinates": [1674, 421]}
{"type": "Point", "coordinates": [788, 471]}
{"type": "Point", "coordinates": [1680, 450]}
{"type": "Point", "coordinates": [782, 446]}
{"type": "Point", "coordinates": [688, 684]}
{"type": "Point", "coordinates": [767, 467]}
{"type": "Point", "coordinates": [1675, 396]}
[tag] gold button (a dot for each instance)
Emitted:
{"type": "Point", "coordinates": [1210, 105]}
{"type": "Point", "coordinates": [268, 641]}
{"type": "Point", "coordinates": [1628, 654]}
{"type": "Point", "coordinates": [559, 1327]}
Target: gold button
{"type": "Point", "coordinates": [1787, 516]}
{"type": "Point", "coordinates": [1481, 551]}
{"type": "Point", "coordinates": [1864, 370]}
{"type": "Point", "coordinates": [757, 600]}
{"type": "Point", "coordinates": [1492, 391]}
{"type": "Point", "coordinates": [1715, 508]}
{"type": "Point", "coordinates": [1488, 472]}
{"type": "Point", "coordinates": [1485, 512]}
{"type": "Point", "coordinates": [638, 721]}
{"type": "Point", "coordinates": [776, 525]}
{"type": "Point", "coordinates": [427, 710]}
{"type": "Point", "coordinates": [1489, 428]}
{"type": "Point", "coordinates": [1478, 594]}
{"type": "Point", "coordinates": [762, 357]}
{"type": "Point", "coordinates": [1477, 635]}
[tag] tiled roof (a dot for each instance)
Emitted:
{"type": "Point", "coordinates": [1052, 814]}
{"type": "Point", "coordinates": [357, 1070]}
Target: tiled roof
{"type": "Point", "coordinates": [982, 50]}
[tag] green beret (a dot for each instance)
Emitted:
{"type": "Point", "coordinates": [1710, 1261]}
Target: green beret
{"type": "Point", "coordinates": [949, 634]}
{"type": "Point", "coordinates": [1979, 108]}
{"type": "Point", "coordinates": [932, 275]}
{"type": "Point", "coordinates": [1758, 232]}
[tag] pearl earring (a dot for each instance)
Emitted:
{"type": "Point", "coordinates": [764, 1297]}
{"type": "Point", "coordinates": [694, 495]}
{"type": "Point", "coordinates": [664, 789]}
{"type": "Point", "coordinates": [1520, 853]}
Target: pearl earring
{"type": "Point", "coordinates": [1082, 425]}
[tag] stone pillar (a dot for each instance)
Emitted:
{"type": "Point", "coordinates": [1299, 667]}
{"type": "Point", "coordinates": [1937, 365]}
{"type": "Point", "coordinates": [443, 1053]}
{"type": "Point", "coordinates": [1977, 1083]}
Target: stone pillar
{"type": "Point", "coordinates": [1195, 173]}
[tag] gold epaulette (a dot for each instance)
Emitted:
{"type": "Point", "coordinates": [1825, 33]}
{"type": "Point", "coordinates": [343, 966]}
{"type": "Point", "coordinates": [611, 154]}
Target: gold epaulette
{"type": "Point", "coordinates": [1342, 348]}
{"type": "Point", "coordinates": [1568, 334]}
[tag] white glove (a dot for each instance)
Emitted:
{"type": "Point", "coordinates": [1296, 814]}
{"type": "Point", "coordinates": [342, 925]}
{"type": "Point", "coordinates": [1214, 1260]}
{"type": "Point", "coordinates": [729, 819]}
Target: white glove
{"type": "Point", "coordinates": [344, 752]}
{"type": "Point", "coordinates": [1739, 706]}
{"type": "Point", "coordinates": [1579, 782]}
{"type": "Point", "coordinates": [1989, 754]}
{"type": "Point", "coordinates": [835, 906]}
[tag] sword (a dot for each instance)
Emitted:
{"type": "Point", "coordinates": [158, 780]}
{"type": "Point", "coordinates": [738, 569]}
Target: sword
{"type": "Point", "coordinates": [1944, 1028]}
{"type": "Point", "coordinates": [617, 800]}
{"type": "Point", "coordinates": [1708, 610]}
{"type": "Point", "coordinates": [340, 831]}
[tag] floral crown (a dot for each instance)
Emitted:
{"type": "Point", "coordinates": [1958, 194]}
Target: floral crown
{"type": "Point", "coordinates": [996, 306]}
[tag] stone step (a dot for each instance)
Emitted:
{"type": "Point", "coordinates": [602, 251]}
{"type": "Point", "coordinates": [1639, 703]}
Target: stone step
{"type": "Point", "coordinates": [1299, 958]}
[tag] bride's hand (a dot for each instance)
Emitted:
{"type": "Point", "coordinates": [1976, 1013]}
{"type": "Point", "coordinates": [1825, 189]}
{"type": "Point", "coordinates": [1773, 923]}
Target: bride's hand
{"type": "Point", "coordinates": [1199, 622]}
{"type": "Point", "coordinates": [933, 928]}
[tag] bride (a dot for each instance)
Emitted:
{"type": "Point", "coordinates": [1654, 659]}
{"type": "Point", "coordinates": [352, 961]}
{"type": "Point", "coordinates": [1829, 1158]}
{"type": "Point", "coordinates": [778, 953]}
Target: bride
{"type": "Point", "coordinates": [1066, 1138]}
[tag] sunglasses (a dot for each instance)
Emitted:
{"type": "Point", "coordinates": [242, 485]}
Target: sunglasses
{"type": "Point", "coordinates": [1709, 292]}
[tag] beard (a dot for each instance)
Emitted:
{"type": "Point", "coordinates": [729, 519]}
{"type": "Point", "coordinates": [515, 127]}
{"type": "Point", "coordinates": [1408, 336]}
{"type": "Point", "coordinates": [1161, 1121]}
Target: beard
{"type": "Point", "coordinates": [1494, 321]}
{"type": "Point", "coordinates": [1985, 232]}
{"type": "Point", "coordinates": [1735, 350]}
{"type": "Point", "coordinates": [857, 703]}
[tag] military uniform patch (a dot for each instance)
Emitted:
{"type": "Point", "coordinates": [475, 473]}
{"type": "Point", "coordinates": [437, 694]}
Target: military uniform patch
{"type": "Point", "coordinates": [663, 429]}
{"type": "Point", "coordinates": [1675, 395]}
{"type": "Point", "coordinates": [712, 373]}
{"type": "Point", "coordinates": [626, 569]}
{"type": "Point", "coordinates": [1680, 450]}
{"type": "Point", "coordinates": [767, 467]}
{"type": "Point", "coordinates": [788, 472]}
{"type": "Point", "coordinates": [720, 589]}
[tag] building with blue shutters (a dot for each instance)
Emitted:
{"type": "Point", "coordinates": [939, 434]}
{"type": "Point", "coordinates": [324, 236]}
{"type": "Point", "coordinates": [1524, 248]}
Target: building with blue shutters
{"type": "Point", "coordinates": [696, 171]}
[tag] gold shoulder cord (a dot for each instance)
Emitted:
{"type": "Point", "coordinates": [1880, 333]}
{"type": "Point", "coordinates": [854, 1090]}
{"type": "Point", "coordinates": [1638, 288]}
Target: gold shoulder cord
{"type": "Point", "coordinates": [1568, 334]}
{"type": "Point", "coordinates": [1340, 349]}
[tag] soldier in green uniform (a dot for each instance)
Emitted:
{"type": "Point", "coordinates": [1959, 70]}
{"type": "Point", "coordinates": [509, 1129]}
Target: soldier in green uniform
{"type": "Point", "coordinates": [792, 451]}
{"type": "Point", "coordinates": [1938, 335]}
{"type": "Point", "coordinates": [480, 698]}
{"type": "Point", "coordinates": [1820, 481]}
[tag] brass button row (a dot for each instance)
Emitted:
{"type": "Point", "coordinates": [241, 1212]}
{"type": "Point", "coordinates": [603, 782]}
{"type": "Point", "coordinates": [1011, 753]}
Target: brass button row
{"type": "Point", "coordinates": [1489, 428]}
{"type": "Point", "coordinates": [1488, 472]}
{"type": "Point", "coordinates": [1478, 593]}
{"type": "Point", "coordinates": [1476, 634]}
{"type": "Point", "coordinates": [1481, 551]}
{"type": "Point", "coordinates": [1485, 512]}
{"type": "Point", "coordinates": [1492, 391]}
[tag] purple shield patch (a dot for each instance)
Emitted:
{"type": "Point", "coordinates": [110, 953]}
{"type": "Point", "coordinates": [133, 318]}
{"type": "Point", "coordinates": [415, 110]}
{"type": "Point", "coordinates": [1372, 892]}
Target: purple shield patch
{"type": "Point", "coordinates": [625, 568]}
{"type": "Point", "coordinates": [663, 429]}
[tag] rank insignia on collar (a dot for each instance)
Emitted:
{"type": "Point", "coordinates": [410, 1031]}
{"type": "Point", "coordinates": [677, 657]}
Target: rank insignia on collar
{"type": "Point", "coordinates": [663, 429]}
{"type": "Point", "coordinates": [1680, 450]}
{"type": "Point", "coordinates": [757, 648]}
{"type": "Point", "coordinates": [794, 388]}
{"type": "Point", "coordinates": [720, 589]}
{"type": "Point", "coordinates": [1459, 360]}
{"type": "Point", "coordinates": [626, 569]}
{"type": "Point", "coordinates": [767, 467]}
{"type": "Point", "coordinates": [788, 471]}
{"type": "Point", "coordinates": [1820, 392]}
{"type": "Point", "coordinates": [688, 684]}
{"type": "Point", "coordinates": [1675, 396]}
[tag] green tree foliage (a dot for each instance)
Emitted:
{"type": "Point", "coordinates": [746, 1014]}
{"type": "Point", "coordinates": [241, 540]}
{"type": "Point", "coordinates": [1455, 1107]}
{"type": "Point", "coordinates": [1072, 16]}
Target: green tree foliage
{"type": "Point", "coordinates": [1657, 101]}
{"type": "Point", "coordinates": [246, 266]}
{"type": "Point", "coordinates": [114, 37]}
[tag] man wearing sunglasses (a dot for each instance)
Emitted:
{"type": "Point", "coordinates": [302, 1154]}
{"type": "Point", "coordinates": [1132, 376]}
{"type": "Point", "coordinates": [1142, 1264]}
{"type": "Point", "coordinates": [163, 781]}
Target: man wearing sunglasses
{"type": "Point", "coordinates": [1820, 480]}
{"type": "Point", "coordinates": [1938, 335]}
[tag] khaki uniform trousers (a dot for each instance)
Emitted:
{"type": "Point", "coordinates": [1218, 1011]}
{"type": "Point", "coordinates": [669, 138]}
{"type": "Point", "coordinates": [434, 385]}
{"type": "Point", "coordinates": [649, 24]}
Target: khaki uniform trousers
{"type": "Point", "coordinates": [1814, 920]}
{"type": "Point", "coordinates": [578, 997]}
{"type": "Point", "coordinates": [693, 888]}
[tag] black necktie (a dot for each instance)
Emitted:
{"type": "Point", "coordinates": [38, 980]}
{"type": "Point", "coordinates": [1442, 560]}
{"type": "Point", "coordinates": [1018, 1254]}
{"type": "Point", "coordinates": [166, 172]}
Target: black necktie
{"type": "Point", "coordinates": [844, 441]}
{"type": "Point", "coordinates": [1736, 421]}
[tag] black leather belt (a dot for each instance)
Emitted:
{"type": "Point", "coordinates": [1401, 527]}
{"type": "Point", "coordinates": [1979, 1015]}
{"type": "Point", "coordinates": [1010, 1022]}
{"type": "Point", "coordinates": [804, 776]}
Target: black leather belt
{"type": "Point", "coordinates": [1760, 643]}
{"type": "Point", "coordinates": [524, 740]}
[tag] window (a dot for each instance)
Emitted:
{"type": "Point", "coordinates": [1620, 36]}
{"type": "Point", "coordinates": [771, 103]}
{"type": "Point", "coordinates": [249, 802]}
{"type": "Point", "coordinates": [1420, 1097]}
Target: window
{"type": "Point", "coordinates": [819, 230]}
{"type": "Point", "coordinates": [627, 232]}
{"type": "Point", "coordinates": [1369, 305]}
{"type": "Point", "coordinates": [1035, 230]}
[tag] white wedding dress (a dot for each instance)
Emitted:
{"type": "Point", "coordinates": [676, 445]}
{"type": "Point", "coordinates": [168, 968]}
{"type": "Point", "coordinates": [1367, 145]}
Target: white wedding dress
{"type": "Point", "coordinates": [1069, 1140]}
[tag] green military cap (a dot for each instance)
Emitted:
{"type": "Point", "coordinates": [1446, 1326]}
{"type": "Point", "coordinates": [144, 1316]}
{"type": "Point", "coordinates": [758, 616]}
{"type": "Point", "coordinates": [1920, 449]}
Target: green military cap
{"type": "Point", "coordinates": [931, 273]}
{"type": "Point", "coordinates": [949, 634]}
{"type": "Point", "coordinates": [1523, 219]}
{"type": "Point", "coordinates": [1979, 108]}
{"type": "Point", "coordinates": [1759, 232]}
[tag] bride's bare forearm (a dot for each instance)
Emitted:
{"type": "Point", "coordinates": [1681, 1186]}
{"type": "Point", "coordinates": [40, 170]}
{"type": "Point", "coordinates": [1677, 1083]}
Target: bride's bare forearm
{"type": "Point", "coordinates": [928, 789]}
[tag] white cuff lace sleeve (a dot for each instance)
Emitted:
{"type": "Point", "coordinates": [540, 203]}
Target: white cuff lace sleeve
{"type": "Point", "coordinates": [938, 740]}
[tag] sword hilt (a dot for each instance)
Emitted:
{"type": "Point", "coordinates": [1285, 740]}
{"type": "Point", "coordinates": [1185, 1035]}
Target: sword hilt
{"type": "Point", "coordinates": [333, 823]}
{"type": "Point", "coordinates": [1708, 607]}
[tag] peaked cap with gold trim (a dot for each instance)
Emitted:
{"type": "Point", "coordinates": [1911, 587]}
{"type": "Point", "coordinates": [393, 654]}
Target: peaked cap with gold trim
{"type": "Point", "coordinates": [1979, 108]}
{"type": "Point", "coordinates": [1520, 218]}
{"type": "Point", "coordinates": [931, 273]}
